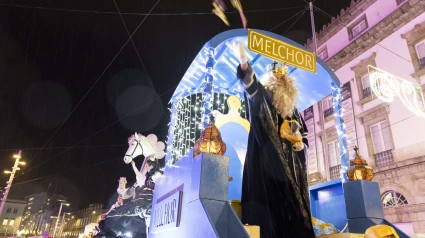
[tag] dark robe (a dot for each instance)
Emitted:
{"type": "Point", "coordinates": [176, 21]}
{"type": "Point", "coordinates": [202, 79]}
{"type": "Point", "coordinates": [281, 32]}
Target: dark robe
{"type": "Point", "coordinates": [274, 189]}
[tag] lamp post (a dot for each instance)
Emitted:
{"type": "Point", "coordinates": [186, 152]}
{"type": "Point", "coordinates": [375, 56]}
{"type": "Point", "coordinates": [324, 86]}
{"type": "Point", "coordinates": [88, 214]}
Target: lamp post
{"type": "Point", "coordinates": [63, 223]}
{"type": "Point", "coordinates": [59, 215]}
{"type": "Point", "coordinates": [12, 175]}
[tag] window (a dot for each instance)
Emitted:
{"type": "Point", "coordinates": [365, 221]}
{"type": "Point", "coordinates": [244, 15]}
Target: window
{"type": "Point", "coordinates": [15, 210]}
{"type": "Point", "coordinates": [393, 199]}
{"type": "Point", "coordinates": [415, 40]}
{"type": "Point", "coordinates": [30, 199]}
{"type": "Point", "coordinates": [5, 221]}
{"type": "Point", "coordinates": [327, 103]}
{"type": "Point", "coordinates": [9, 210]}
{"type": "Point", "coordinates": [12, 221]}
{"type": "Point", "coordinates": [365, 81]}
{"type": "Point", "coordinates": [365, 86]}
{"type": "Point", "coordinates": [323, 54]}
{"type": "Point", "coordinates": [328, 109]}
{"type": "Point", "coordinates": [381, 137]}
{"type": "Point", "coordinates": [334, 153]}
{"type": "Point", "coordinates": [29, 208]}
{"type": "Point", "coordinates": [420, 50]}
{"type": "Point", "coordinates": [359, 28]}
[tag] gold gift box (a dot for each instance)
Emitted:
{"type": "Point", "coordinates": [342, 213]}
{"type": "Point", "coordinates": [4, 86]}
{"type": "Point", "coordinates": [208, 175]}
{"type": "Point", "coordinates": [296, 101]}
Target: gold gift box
{"type": "Point", "coordinates": [253, 231]}
{"type": "Point", "coordinates": [343, 235]}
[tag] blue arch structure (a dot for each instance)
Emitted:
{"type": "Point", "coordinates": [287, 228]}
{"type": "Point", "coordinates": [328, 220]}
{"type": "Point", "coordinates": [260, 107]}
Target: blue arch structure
{"type": "Point", "coordinates": [313, 87]}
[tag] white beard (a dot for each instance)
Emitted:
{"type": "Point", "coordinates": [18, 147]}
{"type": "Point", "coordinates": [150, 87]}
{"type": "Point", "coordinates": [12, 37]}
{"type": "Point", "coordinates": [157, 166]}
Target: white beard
{"type": "Point", "coordinates": [284, 96]}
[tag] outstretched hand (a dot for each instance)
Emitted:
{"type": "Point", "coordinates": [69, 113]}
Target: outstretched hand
{"type": "Point", "coordinates": [239, 52]}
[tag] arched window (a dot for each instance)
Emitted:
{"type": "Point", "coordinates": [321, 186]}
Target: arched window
{"type": "Point", "coordinates": [393, 199]}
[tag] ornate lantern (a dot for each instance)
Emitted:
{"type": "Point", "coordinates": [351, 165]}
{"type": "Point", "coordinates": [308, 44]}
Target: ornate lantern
{"type": "Point", "coordinates": [359, 169]}
{"type": "Point", "coordinates": [210, 141]}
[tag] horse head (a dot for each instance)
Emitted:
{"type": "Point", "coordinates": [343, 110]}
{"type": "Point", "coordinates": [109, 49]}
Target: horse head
{"type": "Point", "coordinates": [148, 146]}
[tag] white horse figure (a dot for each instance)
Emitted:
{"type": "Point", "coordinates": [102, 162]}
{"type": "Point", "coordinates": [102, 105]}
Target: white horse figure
{"type": "Point", "coordinates": [149, 147]}
{"type": "Point", "coordinates": [152, 149]}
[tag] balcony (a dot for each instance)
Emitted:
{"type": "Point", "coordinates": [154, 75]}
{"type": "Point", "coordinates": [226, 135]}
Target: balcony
{"type": "Point", "coordinates": [328, 112]}
{"type": "Point", "coordinates": [366, 92]}
{"type": "Point", "coordinates": [334, 172]}
{"type": "Point", "coordinates": [422, 63]}
{"type": "Point", "coordinates": [384, 158]}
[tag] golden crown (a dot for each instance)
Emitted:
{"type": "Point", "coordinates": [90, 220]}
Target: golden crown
{"type": "Point", "coordinates": [281, 69]}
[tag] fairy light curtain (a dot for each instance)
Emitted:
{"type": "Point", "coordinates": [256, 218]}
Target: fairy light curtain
{"type": "Point", "coordinates": [189, 118]}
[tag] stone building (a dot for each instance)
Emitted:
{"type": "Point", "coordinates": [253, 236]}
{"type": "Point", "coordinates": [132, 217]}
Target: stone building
{"type": "Point", "coordinates": [389, 35]}
{"type": "Point", "coordinates": [76, 222]}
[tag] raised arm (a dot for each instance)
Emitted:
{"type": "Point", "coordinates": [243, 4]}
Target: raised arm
{"type": "Point", "coordinates": [244, 72]}
{"type": "Point", "coordinates": [249, 81]}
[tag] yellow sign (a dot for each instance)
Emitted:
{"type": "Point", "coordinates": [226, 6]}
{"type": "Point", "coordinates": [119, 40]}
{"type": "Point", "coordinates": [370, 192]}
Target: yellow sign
{"type": "Point", "coordinates": [281, 51]}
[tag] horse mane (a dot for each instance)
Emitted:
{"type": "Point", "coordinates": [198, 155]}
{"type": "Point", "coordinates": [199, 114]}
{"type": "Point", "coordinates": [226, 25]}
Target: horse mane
{"type": "Point", "coordinates": [132, 137]}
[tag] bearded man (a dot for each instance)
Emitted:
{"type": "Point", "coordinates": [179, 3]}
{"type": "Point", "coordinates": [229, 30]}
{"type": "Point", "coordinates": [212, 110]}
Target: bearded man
{"type": "Point", "coordinates": [274, 189]}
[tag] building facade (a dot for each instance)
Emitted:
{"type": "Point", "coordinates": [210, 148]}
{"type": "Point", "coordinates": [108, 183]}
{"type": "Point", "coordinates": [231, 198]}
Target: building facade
{"type": "Point", "coordinates": [11, 216]}
{"type": "Point", "coordinates": [388, 35]}
{"type": "Point", "coordinates": [39, 209]}
{"type": "Point", "coordinates": [77, 221]}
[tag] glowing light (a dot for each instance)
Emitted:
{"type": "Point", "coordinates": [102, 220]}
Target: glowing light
{"type": "Point", "coordinates": [387, 86]}
{"type": "Point", "coordinates": [340, 127]}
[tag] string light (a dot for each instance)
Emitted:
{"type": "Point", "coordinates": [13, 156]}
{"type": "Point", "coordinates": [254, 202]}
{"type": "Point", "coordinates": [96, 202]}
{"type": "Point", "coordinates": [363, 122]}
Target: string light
{"type": "Point", "coordinates": [387, 86]}
{"type": "Point", "coordinates": [340, 127]}
{"type": "Point", "coordinates": [185, 126]}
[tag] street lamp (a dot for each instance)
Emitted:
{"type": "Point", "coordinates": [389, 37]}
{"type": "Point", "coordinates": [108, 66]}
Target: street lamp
{"type": "Point", "coordinates": [63, 223]}
{"type": "Point", "coordinates": [12, 175]}
{"type": "Point", "coordinates": [59, 215]}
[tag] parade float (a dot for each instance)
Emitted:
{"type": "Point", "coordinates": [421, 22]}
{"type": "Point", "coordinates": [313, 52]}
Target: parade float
{"type": "Point", "coordinates": [198, 192]}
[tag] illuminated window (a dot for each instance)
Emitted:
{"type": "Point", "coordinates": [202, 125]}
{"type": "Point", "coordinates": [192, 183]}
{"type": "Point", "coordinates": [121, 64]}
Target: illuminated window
{"type": "Point", "coordinates": [334, 153]}
{"type": "Point", "coordinates": [5, 221]}
{"type": "Point", "coordinates": [393, 199]}
{"type": "Point", "coordinates": [12, 221]}
{"type": "Point", "coordinates": [30, 199]}
{"type": "Point", "coordinates": [420, 50]}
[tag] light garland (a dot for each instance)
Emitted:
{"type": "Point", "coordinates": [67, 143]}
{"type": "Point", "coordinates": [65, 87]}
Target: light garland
{"type": "Point", "coordinates": [386, 86]}
{"type": "Point", "coordinates": [208, 88]}
{"type": "Point", "coordinates": [340, 127]}
{"type": "Point", "coordinates": [186, 125]}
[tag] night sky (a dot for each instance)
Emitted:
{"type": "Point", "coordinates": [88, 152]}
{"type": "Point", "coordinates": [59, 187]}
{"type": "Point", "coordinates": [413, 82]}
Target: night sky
{"type": "Point", "coordinates": [54, 58]}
